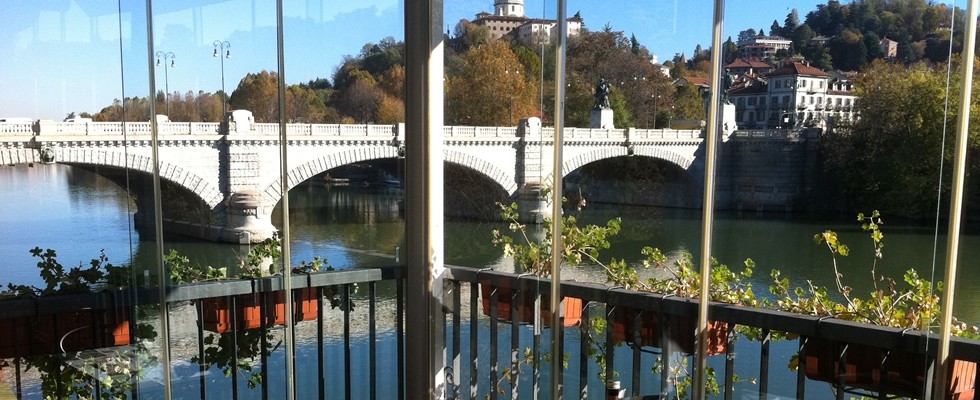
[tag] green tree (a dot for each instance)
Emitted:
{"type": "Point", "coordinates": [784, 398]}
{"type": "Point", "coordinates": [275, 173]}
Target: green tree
{"type": "Point", "coordinates": [891, 156]}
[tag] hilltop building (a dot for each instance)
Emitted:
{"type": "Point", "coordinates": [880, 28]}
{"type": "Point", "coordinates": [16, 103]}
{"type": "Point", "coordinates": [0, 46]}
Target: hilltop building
{"type": "Point", "coordinates": [793, 95]}
{"type": "Point", "coordinates": [763, 47]}
{"type": "Point", "coordinates": [508, 19]}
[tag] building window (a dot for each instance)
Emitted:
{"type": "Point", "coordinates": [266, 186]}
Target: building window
{"type": "Point", "coordinates": [762, 100]}
{"type": "Point", "coordinates": [779, 84]}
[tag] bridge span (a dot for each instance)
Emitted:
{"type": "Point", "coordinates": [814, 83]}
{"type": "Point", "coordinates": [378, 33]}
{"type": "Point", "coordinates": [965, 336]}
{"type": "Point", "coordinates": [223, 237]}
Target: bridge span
{"type": "Point", "coordinates": [234, 168]}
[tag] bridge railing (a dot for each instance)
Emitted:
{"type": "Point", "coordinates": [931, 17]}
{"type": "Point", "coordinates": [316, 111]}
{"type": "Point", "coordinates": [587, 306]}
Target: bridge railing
{"type": "Point", "coordinates": [480, 131]}
{"type": "Point", "coordinates": [345, 130]}
{"type": "Point", "coordinates": [16, 128]}
{"type": "Point", "coordinates": [51, 128]}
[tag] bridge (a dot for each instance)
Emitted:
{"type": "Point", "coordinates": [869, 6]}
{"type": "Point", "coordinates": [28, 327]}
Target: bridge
{"type": "Point", "coordinates": [234, 168]}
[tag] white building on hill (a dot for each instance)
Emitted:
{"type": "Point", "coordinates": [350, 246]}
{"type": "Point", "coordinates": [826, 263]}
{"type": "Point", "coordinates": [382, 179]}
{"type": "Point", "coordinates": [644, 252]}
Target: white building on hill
{"type": "Point", "coordinates": [508, 19]}
{"type": "Point", "coordinates": [793, 95]}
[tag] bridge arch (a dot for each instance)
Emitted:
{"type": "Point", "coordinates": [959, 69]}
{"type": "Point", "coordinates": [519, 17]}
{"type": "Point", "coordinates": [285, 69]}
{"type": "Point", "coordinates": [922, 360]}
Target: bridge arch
{"type": "Point", "coordinates": [311, 168]}
{"type": "Point", "coordinates": [188, 180]}
{"type": "Point", "coordinates": [659, 153]}
{"type": "Point", "coordinates": [503, 178]}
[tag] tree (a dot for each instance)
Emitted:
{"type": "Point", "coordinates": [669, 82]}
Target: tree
{"type": "Point", "coordinates": [390, 111]}
{"type": "Point", "coordinates": [775, 29]}
{"type": "Point", "coordinates": [304, 106]}
{"type": "Point", "coordinates": [890, 158]}
{"type": "Point", "coordinates": [746, 35]}
{"type": "Point", "coordinates": [679, 70]}
{"type": "Point", "coordinates": [848, 50]}
{"type": "Point", "coordinates": [792, 22]}
{"type": "Point", "coordinates": [491, 89]}
{"type": "Point", "coordinates": [258, 93]}
{"type": "Point", "coordinates": [469, 35]}
{"type": "Point", "coordinates": [729, 51]}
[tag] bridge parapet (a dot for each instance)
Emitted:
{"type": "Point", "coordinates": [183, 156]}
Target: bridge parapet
{"type": "Point", "coordinates": [358, 130]}
{"type": "Point", "coordinates": [16, 128]}
{"type": "Point", "coordinates": [480, 131]}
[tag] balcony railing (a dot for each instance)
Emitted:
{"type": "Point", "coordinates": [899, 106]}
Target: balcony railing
{"type": "Point", "coordinates": [488, 356]}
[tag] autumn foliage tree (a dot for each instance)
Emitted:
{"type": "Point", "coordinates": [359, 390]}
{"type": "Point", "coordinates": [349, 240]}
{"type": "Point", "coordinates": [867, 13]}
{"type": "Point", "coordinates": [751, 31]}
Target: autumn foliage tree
{"type": "Point", "coordinates": [491, 89]}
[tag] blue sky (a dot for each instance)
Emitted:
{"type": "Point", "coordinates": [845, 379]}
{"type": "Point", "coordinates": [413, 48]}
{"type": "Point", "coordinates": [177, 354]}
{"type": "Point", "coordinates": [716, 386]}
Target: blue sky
{"type": "Point", "coordinates": [61, 56]}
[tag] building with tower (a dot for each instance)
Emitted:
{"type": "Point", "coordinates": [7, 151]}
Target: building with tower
{"type": "Point", "coordinates": [508, 18]}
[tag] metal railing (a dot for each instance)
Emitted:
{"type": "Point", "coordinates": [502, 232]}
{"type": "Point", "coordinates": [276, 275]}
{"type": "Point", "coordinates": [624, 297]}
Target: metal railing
{"type": "Point", "coordinates": [491, 357]}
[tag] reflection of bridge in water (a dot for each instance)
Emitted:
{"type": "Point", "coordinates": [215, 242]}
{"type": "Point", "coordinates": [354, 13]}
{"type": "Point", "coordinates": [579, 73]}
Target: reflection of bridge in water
{"type": "Point", "coordinates": [235, 169]}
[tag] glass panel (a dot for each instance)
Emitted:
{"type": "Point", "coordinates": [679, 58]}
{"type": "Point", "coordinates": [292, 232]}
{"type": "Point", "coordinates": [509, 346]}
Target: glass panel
{"type": "Point", "coordinates": [217, 116]}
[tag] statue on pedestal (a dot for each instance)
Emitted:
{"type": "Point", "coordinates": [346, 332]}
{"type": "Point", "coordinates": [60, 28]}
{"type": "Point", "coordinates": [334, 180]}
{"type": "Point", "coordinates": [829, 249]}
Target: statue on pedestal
{"type": "Point", "coordinates": [602, 91]}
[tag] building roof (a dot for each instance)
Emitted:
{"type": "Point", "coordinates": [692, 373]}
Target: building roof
{"type": "Point", "coordinates": [750, 63]}
{"type": "Point", "coordinates": [797, 68]}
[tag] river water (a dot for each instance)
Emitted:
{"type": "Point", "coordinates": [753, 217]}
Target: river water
{"type": "Point", "coordinates": [79, 213]}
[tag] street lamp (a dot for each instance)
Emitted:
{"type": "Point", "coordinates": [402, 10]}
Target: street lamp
{"type": "Point", "coordinates": [166, 75]}
{"type": "Point", "coordinates": [224, 47]}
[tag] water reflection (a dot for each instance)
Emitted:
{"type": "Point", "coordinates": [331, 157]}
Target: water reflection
{"type": "Point", "coordinates": [77, 213]}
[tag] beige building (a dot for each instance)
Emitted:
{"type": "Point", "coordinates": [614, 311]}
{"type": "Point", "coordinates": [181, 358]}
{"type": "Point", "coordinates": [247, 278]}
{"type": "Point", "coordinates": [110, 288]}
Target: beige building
{"type": "Point", "coordinates": [763, 47]}
{"type": "Point", "coordinates": [508, 19]}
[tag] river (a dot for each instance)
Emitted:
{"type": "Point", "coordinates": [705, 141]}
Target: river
{"type": "Point", "coordinates": [79, 213]}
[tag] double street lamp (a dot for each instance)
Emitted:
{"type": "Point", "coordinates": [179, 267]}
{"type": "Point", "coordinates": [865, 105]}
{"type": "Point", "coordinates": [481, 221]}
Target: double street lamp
{"type": "Point", "coordinates": [222, 47]}
{"type": "Point", "coordinates": [166, 55]}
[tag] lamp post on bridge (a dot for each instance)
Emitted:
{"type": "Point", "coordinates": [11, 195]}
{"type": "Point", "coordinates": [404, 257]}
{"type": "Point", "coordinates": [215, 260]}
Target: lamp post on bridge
{"type": "Point", "coordinates": [166, 55]}
{"type": "Point", "coordinates": [224, 47]}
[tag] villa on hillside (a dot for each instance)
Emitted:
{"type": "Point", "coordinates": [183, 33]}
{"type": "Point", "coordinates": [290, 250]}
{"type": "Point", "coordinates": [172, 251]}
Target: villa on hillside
{"type": "Point", "coordinates": [763, 47]}
{"type": "Point", "coordinates": [508, 19]}
{"type": "Point", "coordinates": [793, 95]}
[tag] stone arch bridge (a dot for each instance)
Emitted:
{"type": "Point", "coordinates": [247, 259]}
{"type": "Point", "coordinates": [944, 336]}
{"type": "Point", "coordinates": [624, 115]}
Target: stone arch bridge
{"type": "Point", "coordinates": [235, 168]}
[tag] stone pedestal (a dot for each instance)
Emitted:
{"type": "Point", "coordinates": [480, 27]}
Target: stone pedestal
{"type": "Point", "coordinates": [601, 119]}
{"type": "Point", "coordinates": [728, 124]}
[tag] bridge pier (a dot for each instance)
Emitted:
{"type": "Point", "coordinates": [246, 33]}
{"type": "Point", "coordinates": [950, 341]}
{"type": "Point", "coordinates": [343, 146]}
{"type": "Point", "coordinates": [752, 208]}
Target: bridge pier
{"type": "Point", "coordinates": [532, 206]}
{"type": "Point", "coordinates": [248, 218]}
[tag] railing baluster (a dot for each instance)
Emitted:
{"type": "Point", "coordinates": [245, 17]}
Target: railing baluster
{"type": "Point", "coordinates": [610, 344]}
{"type": "Point", "coordinates": [665, 354]}
{"type": "Point", "coordinates": [883, 384]}
{"type": "Point", "coordinates": [400, 310]}
{"type": "Point", "coordinates": [203, 363]}
{"type": "Point", "coordinates": [841, 369]}
{"type": "Point", "coordinates": [474, 338]}
{"type": "Point", "coordinates": [730, 363]}
{"type": "Point", "coordinates": [494, 295]}
{"type": "Point", "coordinates": [515, 341]}
{"type": "Point", "coordinates": [536, 352]}
{"type": "Point", "coordinates": [20, 390]}
{"type": "Point", "coordinates": [347, 343]}
{"type": "Point", "coordinates": [320, 379]}
{"type": "Point", "coordinates": [801, 369]}
{"type": "Point", "coordinates": [456, 352]}
{"type": "Point", "coordinates": [635, 336]}
{"type": "Point", "coordinates": [234, 345]}
{"type": "Point", "coordinates": [268, 316]}
{"type": "Point", "coordinates": [763, 365]}
{"type": "Point", "coordinates": [372, 340]}
{"type": "Point", "coordinates": [585, 340]}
